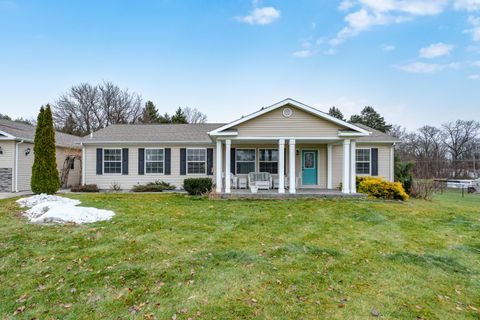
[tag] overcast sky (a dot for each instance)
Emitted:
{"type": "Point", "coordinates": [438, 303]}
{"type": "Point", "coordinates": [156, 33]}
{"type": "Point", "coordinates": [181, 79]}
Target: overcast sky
{"type": "Point", "coordinates": [415, 61]}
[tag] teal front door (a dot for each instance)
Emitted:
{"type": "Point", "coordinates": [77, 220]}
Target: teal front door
{"type": "Point", "coordinates": [309, 167]}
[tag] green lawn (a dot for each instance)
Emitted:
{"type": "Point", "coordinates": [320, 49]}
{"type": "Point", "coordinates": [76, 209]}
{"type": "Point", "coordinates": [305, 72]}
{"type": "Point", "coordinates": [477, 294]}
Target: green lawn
{"type": "Point", "coordinates": [165, 256]}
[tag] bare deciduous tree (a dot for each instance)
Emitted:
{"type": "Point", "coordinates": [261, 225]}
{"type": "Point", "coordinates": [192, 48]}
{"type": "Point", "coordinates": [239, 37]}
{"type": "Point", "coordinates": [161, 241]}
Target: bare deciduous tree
{"type": "Point", "coordinates": [95, 107]}
{"type": "Point", "coordinates": [461, 138]}
{"type": "Point", "coordinates": [193, 115]}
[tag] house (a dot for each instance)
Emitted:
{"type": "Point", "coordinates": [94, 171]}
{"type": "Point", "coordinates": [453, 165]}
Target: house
{"type": "Point", "coordinates": [299, 146]}
{"type": "Point", "coordinates": [16, 156]}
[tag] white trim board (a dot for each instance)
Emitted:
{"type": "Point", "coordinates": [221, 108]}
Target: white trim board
{"type": "Point", "coordinates": [296, 104]}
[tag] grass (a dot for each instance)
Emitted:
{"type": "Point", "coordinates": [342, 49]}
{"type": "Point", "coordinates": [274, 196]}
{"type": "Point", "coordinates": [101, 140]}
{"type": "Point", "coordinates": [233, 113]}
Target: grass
{"type": "Point", "coordinates": [165, 256]}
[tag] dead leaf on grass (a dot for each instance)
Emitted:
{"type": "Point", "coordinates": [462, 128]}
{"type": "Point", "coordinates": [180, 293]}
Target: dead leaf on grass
{"type": "Point", "coordinates": [19, 310]}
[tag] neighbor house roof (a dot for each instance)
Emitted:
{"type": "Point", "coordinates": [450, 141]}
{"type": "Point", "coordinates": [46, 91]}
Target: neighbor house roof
{"type": "Point", "coordinates": [375, 135]}
{"type": "Point", "coordinates": [20, 131]}
{"type": "Point", "coordinates": [169, 133]}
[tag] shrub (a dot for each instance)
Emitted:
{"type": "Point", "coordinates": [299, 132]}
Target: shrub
{"type": "Point", "coordinates": [424, 189]}
{"type": "Point", "coordinates": [403, 174]}
{"type": "Point", "coordinates": [45, 177]}
{"type": "Point", "coordinates": [198, 186]}
{"type": "Point", "coordinates": [115, 186]}
{"type": "Point", "coordinates": [157, 186]}
{"type": "Point", "coordinates": [85, 188]}
{"type": "Point", "coordinates": [379, 188]}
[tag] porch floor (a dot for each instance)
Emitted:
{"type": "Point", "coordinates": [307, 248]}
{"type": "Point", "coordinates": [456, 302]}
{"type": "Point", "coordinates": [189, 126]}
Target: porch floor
{"type": "Point", "coordinates": [301, 193]}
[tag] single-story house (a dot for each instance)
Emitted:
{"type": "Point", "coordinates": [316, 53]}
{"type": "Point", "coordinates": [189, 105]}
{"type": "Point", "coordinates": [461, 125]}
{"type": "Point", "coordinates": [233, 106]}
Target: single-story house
{"type": "Point", "coordinates": [295, 145]}
{"type": "Point", "coordinates": [16, 156]}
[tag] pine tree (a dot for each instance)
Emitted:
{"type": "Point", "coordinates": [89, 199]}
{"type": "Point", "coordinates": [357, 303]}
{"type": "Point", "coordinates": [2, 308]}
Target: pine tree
{"type": "Point", "coordinates": [69, 126]}
{"type": "Point", "coordinates": [45, 177]}
{"type": "Point", "coordinates": [179, 117]}
{"type": "Point", "coordinates": [150, 113]}
{"type": "Point", "coordinates": [371, 118]}
{"type": "Point", "coordinates": [335, 112]}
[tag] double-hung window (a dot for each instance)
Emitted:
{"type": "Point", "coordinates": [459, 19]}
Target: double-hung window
{"type": "Point", "coordinates": [245, 161]}
{"type": "Point", "coordinates": [268, 160]}
{"type": "Point", "coordinates": [154, 160]}
{"type": "Point", "coordinates": [363, 161]}
{"type": "Point", "coordinates": [196, 161]}
{"type": "Point", "coordinates": [112, 160]}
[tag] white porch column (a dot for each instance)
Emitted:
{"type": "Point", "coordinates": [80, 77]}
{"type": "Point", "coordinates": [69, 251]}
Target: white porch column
{"type": "Point", "coordinates": [353, 167]}
{"type": "Point", "coordinates": [329, 166]}
{"type": "Point", "coordinates": [291, 170]}
{"type": "Point", "coordinates": [218, 167]}
{"type": "Point", "coordinates": [281, 166]}
{"type": "Point", "coordinates": [346, 166]}
{"type": "Point", "coordinates": [228, 143]}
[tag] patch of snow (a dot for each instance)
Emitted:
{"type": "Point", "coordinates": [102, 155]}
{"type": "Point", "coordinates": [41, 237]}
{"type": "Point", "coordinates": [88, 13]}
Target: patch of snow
{"type": "Point", "coordinates": [53, 209]}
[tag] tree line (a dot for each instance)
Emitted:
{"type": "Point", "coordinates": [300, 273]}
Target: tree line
{"type": "Point", "coordinates": [451, 150]}
{"type": "Point", "coordinates": [85, 108]}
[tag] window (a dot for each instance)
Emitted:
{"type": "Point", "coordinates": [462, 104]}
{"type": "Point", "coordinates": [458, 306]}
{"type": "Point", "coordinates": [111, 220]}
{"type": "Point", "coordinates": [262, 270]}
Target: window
{"type": "Point", "coordinates": [363, 161]}
{"type": "Point", "coordinates": [268, 160]}
{"type": "Point", "coordinates": [112, 160]}
{"type": "Point", "coordinates": [245, 161]}
{"type": "Point", "coordinates": [154, 159]}
{"type": "Point", "coordinates": [196, 161]}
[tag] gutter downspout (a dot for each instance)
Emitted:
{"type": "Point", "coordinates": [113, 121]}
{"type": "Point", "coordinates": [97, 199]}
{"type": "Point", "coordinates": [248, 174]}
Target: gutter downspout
{"type": "Point", "coordinates": [16, 164]}
{"type": "Point", "coordinates": [83, 163]}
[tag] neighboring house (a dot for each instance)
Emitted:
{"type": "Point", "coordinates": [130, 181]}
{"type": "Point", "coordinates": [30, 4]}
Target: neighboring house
{"type": "Point", "coordinates": [299, 145]}
{"type": "Point", "coordinates": [16, 156]}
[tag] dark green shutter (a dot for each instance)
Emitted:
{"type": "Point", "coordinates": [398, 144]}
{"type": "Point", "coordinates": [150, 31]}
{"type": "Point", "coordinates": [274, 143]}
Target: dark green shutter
{"type": "Point", "coordinates": [209, 161]}
{"type": "Point", "coordinates": [168, 158]}
{"type": "Point", "coordinates": [141, 161]}
{"type": "Point", "coordinates": [125, 161]}
{"type": "Point", "coordinates": [99, 160]}
{"type": "Point", "coordinates": [232, 160]}
{"type": "Point", "coordinates": [374, 162]}
{"type": "Point", "coordinates": [183, 161]}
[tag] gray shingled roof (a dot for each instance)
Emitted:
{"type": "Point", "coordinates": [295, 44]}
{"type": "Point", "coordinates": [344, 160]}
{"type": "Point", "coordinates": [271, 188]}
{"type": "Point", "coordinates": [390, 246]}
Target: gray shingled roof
{"type": "Point", "coordinates": [185, 133]}
{"type": "Point", "coordinates": [154, 133]}
{"type": "Point", "coordinates": [27, 132]}
{"type": "Point", "coordinates": [375, 135]}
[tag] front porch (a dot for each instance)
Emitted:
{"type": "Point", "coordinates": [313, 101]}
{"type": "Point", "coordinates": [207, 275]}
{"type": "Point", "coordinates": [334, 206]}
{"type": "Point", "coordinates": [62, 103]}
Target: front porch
{"type": "Point", "coordinates": [307, 167]}
{"type": "Point", "coordinates": [300, 193]}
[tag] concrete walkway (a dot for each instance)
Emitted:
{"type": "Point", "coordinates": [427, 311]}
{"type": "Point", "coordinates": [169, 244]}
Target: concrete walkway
{"type": "Point", "coordinates": [8, 195]}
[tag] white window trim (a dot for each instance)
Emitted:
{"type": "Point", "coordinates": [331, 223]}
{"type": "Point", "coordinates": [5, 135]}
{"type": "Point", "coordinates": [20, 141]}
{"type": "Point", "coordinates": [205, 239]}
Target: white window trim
{"type": "Point", "coordinates": [145, 162]}
{"type": "Point", "coordinates": [121, 161]}
{"type": "Point", "coordinates": [369, 162]}
{"type": "Point", "coordinates": [254, 161]}
{"type": "Point", "coordinates": [186, 162]}
{"type": "Point", "coordinates": [259, 160]}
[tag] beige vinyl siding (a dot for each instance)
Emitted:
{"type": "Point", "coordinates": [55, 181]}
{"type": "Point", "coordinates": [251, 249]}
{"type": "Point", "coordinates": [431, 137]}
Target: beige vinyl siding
{"type": "Point", "coordinates": [7, 164]}
{"type": "Point", "coordinates": [337, 165]}
{"type": "Point", "coordinates": [385, 161]}
{"type": "Point", "coordinates": [25, 163]}
{"type": "Point", "coordinates": [126, 182]}
{"type": "Point", "coordinates": [300, 124]}
{"type": "Point", "coordinates": [7, 159]}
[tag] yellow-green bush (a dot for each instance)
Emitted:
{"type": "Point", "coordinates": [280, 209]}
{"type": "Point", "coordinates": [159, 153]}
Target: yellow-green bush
{"type": "Point", "coordinates": [379, 188]}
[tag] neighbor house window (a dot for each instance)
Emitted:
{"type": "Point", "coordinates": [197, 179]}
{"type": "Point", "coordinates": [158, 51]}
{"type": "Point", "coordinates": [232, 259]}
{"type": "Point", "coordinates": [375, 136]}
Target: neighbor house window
{"type": "Point", "coordinates": [154, 160]}
{"type": "Point", "coordinates": [196, 161]}
{"type": "Point", "coordinates": [112, 160]}
{"type": "Point", "coordinates": [268, 160]}
{"type": "Point", "coordinates": [363, 161]}
{"type": "Point", "coordinates": [245, 161]}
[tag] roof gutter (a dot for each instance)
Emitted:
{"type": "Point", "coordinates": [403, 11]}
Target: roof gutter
{"type": "Point", "coordinates": [16, 164]}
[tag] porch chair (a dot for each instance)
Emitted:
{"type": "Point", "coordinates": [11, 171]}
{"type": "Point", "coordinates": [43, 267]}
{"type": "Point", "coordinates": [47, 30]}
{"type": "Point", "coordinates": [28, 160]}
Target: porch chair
{"type": "Point", "coordinates": [261, 180]}
{"type": "Point", "coordinates": [275, 179]}
{"type": "Point", "coordinates": [233, 180]}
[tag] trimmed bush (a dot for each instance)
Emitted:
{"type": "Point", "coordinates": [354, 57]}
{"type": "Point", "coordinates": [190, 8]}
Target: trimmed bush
{"type": "Point", "coordinates": [381, 189]}
{"type": "Point", "coordinates": [85, 188]}
{"type": "Point", "coordinates": [424, 189]}
{"type": "Point", "coordinates": [157, 186]}
{"type": "Point", "coordinates": [198, 186]}
{"type": "Point", "coordinates": [45, 177]}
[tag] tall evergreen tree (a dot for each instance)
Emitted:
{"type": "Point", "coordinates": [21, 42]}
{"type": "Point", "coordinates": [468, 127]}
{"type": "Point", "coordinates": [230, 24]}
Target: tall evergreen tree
{"type": "Point", "coordinates": [179, 116]}
{"type": "Point", "coordinates": [165, 118]}
{"type": "Point", "coordinates": [371, 118]}
{"type": "Point", "coordinates": [150, 113]}
{"type": "Point", "coordinates": [45, 177]}
{"type": "Point", "coordinates": [335, 112]}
